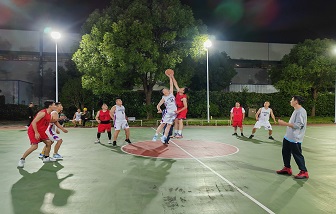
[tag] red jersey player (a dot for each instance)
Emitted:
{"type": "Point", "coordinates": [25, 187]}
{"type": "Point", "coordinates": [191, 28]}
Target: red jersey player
{"type": "Point", "coordinates": [36, 133]}
{"type": "Point", "coordinates": [182, 108]}
{"type": "Point", "coordinates": [103, 118]}
{"type": "Point", "coordinates": [237, 118]}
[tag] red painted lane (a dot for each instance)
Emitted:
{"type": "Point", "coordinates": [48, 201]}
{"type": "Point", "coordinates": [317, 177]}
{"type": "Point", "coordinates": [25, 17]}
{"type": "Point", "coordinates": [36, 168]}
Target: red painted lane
{"type": "Point", "coordinates": [199, 149]}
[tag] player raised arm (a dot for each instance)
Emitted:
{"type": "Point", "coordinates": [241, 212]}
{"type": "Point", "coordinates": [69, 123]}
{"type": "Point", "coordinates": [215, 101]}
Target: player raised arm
{"type": "Point", "coordinates": [175, 83]}
{"type": "Point", "coordinates": [171, 85]}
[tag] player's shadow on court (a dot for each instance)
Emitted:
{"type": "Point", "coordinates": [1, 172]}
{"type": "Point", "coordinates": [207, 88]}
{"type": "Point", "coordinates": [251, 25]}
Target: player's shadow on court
{"type": "Point", "coordinates": [116, 149]}
{"type": "Point", "coordinates": [28, 194]}
{"type": "Point", "coordinates": [241, 164]}
{"type": "Point", "coordinates": [256, 141]}
{"type": "Point", "coordinates": [278, 200]}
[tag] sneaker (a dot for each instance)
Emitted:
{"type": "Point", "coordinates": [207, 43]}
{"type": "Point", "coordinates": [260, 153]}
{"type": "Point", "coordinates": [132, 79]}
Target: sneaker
{"type": "Point", "coordinates": [271, 138]}
{"type": "Point", "coordinates": [241, 134]}
{"type": "Point", "coordinates": [114, 143]}
{"type": "Point", "coordinates": [97, 141]}
{"type": "Point", "coordinates": [234, 134]}
{"type": "Point", "coordinates": [109, 142]}
{"type": "Point", "coordinates": [58, 157]}
{"type": "Point", "coordinates": [21, 163]}
{"type": "Point", "coordinates": [251, 136]}
{"type": "Point", "coordinates": [40, 156]}
{"type": "Point", "coordinates": [48, 159]}
{"type": "Point", "coordinates": [154, 138]}
{"type": "Point", "coordinates": [163, 139]}
{"type": "Point", "coordinates": [302, 175]}
{"type": "Point", "coordinates": [179, 136]}
{"type": "Point", "coordinates": [285, 171]}
{"type": "Point", "coordinates": [128, 141]}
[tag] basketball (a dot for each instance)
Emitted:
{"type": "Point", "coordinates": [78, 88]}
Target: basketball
{"type": "Point", "coordinates": [169, 72]}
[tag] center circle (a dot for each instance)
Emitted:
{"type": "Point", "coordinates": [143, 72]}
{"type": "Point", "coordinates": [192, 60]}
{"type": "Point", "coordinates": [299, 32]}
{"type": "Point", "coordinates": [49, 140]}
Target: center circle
{"type": "Point", "coordinates": [180, 149]}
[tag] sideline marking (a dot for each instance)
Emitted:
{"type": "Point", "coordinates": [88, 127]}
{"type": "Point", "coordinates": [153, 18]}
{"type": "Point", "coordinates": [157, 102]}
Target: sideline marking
{"type": "Point", "coordinates": [226, 180]}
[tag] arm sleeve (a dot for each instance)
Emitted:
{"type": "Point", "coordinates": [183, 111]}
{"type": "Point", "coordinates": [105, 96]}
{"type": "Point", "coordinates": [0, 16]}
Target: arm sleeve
{"type": "Point", "coordinates": [299, 121]}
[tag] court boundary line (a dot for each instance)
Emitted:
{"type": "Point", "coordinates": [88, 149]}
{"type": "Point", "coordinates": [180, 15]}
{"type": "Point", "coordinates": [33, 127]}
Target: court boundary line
{"type": "Point", "coordinates": [226, 180]}
{"type": "Point", "coordinates": [188, 158]}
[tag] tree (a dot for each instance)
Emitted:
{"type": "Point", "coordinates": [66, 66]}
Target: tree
{"type": "Point", "coordinates": [308, 69]}
{"type": "Point", "coordinates": [74, 95]}
{"type": "Point", "coordinates": [133, 42]}
{"type": "Point", "coordinates": [221, 71]}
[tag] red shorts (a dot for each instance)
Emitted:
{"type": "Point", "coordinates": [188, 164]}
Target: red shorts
{"type": "Point", "coordinates": [237, 123]}
{"type": "Point", "coordinates": [33, 140]}
{"type": "Point", "coordinates": [104, 127]}
{"type": "Point", "coordinates": [182, 115]}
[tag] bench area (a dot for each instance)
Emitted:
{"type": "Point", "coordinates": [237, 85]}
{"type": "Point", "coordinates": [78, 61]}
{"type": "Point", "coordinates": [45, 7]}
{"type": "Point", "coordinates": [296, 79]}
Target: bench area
{"type": "Point", "coordinates": [130, 119]}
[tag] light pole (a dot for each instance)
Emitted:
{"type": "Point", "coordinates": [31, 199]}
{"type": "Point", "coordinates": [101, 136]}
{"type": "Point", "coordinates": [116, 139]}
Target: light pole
{"type": "Point", "coordinates": [207, 45]}
{"type": "Point", "coordinates": [56, 36]}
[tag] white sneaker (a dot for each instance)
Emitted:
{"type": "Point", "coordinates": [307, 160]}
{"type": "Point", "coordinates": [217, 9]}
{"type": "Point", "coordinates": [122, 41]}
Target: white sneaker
{"type": "Point", "coordinates": [21, 163]}
{"type": "Point", "coordinates": [40, 156]}
{"type": "Point", "coordinates": [163, 139]}
{"type": "Point", "coordinates": [154, 138]}
{"type": "Point", "coordinates": [58, 157]}
{"type": "Point", "coordinates": [97, 141]}
{"type": "Point", "coordinates": [109, 142]}
{"type": "Point", "coordinates": [48, 159]}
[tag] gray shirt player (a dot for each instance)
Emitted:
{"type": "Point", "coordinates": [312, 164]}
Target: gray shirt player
{"type": "Point", "coordinates": [299, 120]}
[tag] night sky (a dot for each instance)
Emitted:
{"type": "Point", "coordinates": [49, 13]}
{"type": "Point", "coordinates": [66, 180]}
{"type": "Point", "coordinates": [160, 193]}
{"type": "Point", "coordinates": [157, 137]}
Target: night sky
{"type": "Point", "coordinates": [281, 21]}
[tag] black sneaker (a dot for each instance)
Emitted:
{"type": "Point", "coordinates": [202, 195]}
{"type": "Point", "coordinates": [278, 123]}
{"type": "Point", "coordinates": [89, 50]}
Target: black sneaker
{"type": "Point", "coordinates": [128, 141]}
{"type": "Point", "coordinates": [241, 134]}
{"type": "Point", "coordinates": [251, 136]}
{"type": "Point", "coordinates": [114, 143]}
{"type": "Point", "coordinates": [271, 138]}
{"type": "Point", "coordinates": [234, 134]}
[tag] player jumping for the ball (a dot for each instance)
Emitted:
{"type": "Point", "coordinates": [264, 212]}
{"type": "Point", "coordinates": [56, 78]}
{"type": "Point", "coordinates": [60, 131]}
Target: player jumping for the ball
{"type": "Point", "coordinates": [168, 99]}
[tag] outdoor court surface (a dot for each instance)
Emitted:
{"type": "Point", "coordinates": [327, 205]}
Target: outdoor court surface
{"type": "Point", "coordinates": [209, 171]}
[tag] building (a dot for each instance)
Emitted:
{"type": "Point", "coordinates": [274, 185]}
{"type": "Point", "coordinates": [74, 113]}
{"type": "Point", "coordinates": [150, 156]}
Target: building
{"type": "Point", "coordinates": [27, 63]}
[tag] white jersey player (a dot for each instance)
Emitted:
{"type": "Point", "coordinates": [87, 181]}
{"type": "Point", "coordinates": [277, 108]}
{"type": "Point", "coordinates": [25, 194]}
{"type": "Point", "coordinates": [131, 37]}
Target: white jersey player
{"type": "Point", "coordinates": [262, 117]}
{"type": "Point", "coordinates": [120, 121]}
{"type": "Point", "coordinates": [169, 114]}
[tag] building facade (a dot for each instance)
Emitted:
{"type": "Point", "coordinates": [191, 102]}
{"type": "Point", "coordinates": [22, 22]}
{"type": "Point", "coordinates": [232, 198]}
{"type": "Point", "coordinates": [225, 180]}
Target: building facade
{"type": "Point", "coordinates": [27, 63]}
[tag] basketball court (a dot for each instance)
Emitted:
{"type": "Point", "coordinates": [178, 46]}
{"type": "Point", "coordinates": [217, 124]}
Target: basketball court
{"type": "Point", "coordinates": [208, 171]}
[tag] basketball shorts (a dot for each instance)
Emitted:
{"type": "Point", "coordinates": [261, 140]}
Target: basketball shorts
{"type": "Point", "coordinates": [182, 115]}
{"type": "Point", "coordinates": [265, 124]}
{"type": "Point", "coordinates": [168, 117]}
{"type": "Point", "coordinates": [237, 123]}
{"type": "Point", "coordinates": [104, 127]}
{"type": "Point", "coordinates": [33, 140]}
{"type": "Point", "coordinates": [52, 135]}
{"type": "Point", "coordinates": [118, 125]}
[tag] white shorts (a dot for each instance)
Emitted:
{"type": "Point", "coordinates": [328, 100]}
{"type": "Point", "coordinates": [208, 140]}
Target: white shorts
{"type": "Point", "coordinates": [52, 135]}
{"type": "Point", "coordinates": [168, 117]}
{"type": "Point", "coordinates": [265, 124]}
{"type": "Point", "coordinates": [118, 125]}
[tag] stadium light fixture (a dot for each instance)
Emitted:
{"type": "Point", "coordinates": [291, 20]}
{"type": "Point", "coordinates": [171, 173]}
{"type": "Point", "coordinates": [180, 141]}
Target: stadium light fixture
{"type": "Point", "coordinates": [56, 36]}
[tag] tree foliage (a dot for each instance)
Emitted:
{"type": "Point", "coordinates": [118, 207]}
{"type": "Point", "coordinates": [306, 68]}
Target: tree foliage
{"type": "Point", "coordinates": [221, 71]}
{"type": "Point", "coordinates": [133, 43]}
{"type": "Point", "coordinates": [308, 69]}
